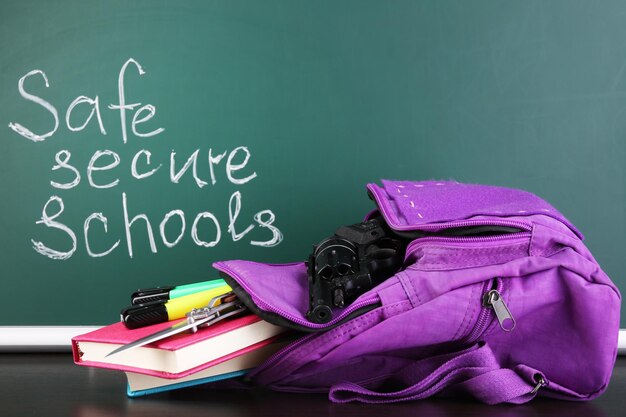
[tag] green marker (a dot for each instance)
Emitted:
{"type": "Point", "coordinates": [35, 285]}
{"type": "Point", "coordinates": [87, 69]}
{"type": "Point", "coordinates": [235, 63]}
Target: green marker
{"type": "Point", "coordinates": [165, 293]}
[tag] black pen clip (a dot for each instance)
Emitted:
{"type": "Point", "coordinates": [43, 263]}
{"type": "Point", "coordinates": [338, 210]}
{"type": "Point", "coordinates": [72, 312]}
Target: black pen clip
{"type": "Point", "coordinates": [148, 295]}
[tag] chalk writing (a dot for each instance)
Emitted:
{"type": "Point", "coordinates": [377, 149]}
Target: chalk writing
{"type": "Point", "coordinates": [68, 174]}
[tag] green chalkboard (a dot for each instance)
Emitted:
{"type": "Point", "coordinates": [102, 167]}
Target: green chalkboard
{"type": "Point", "coordinates": [284, 111]}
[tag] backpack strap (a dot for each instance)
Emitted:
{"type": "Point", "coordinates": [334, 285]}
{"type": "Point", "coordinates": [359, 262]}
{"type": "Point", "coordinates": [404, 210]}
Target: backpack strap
{"type": "Point", "coordinates": [474, 371]}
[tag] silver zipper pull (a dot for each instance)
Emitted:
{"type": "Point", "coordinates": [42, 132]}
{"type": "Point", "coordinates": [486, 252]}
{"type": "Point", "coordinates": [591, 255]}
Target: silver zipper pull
{"type": "Point", "coordinates": [493, 300]}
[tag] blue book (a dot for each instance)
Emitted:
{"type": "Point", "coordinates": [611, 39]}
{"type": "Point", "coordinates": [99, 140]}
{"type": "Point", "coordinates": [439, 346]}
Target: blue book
{"type": "Point", "coordinates": [178, 385]}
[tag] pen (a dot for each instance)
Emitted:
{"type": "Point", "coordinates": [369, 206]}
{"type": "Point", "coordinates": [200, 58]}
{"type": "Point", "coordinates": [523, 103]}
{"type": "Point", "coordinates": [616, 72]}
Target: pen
{"type": "Point", "coordinates": [164, 293]}
{"type": "Point", "coordinates": [218, 309]}
{"type": "Point", "coordinates": [154, 312]}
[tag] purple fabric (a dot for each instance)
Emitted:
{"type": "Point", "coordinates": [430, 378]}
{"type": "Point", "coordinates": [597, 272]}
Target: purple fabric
{"type": "Point", "coordinates": [409, 205]}
{"type": "Point", "coordinates": [281, 289]}
{"type": "Point", "coordinates": [474, 370]}
{"type": "Point", "coordinates": [422, 338]}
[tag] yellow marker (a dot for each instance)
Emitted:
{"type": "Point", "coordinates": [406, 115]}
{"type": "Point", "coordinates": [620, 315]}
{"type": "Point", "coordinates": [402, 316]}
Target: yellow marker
{"type": "Point", "coordinates": [157, 312]}
{"type": "Point", "coordinates": [178, 307]}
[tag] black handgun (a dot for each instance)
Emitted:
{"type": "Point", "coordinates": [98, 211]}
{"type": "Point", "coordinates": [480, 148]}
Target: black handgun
{"type": "Point", "coordinates": [344, 266]}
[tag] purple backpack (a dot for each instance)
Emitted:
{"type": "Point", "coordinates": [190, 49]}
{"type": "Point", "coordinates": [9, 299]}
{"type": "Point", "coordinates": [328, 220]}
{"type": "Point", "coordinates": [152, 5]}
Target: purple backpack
{"type": "Point", "coordinates": [499, 299]}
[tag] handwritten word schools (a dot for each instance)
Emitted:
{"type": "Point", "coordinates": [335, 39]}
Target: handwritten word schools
{"type": "Point", "coordinates": [233, 162]}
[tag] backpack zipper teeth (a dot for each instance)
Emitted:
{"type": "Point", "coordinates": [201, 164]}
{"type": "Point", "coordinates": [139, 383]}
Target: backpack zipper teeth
{"type": "Point", "coordinates": [463, 239]}
{"type": "Point", "coordinates": [468, 223]}
{"type": "Point", "coordinates": [484, 317]}
{"type": "Point", "coordinates": [297, 320]}
{"type": "Point", "coordinates": [493, 299]}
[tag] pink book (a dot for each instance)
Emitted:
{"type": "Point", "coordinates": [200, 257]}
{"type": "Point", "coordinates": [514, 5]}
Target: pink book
{"type": "Point", "coordinates": [175, 357]}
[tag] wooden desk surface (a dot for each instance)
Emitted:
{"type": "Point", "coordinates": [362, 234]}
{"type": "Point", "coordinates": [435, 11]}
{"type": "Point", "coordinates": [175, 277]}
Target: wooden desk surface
{"type": "Point", "coordinates": [51, 385]}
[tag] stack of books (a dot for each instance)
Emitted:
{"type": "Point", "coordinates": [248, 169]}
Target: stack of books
{"type": "Point", "coordinates": [227, 349]}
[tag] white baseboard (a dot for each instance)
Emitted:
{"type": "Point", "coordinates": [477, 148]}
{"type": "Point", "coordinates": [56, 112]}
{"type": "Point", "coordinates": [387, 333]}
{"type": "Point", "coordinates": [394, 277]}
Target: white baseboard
{"type": "Point", "coordinates": [40, 338]}
{"type": "Point", "coordinates": [57, 338]}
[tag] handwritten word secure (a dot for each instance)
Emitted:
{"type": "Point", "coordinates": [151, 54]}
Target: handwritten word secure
{"type": "Point", "coordinates": [234, 163]}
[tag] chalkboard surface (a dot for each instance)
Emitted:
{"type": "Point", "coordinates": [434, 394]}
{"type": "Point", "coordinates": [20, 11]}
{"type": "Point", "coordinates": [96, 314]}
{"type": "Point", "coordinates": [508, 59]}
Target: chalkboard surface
{"type": "Point", "coordinates": [258, 124]}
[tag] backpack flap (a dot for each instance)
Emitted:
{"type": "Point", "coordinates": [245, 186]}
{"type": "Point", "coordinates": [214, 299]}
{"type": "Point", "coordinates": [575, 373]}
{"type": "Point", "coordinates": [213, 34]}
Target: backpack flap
{"type": "Point", "coordinates": [449, 207]}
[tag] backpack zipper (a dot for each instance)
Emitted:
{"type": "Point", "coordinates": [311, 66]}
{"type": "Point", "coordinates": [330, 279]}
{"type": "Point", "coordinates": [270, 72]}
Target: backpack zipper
{"type": "Point", "coordinates": [294, 319]}
{"type": "Point", "coordinates": [493, 299]}
{"type": "Point", "coordinates": [491, 302]}
{"type": "Point", "coordinates": [463, 239]}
